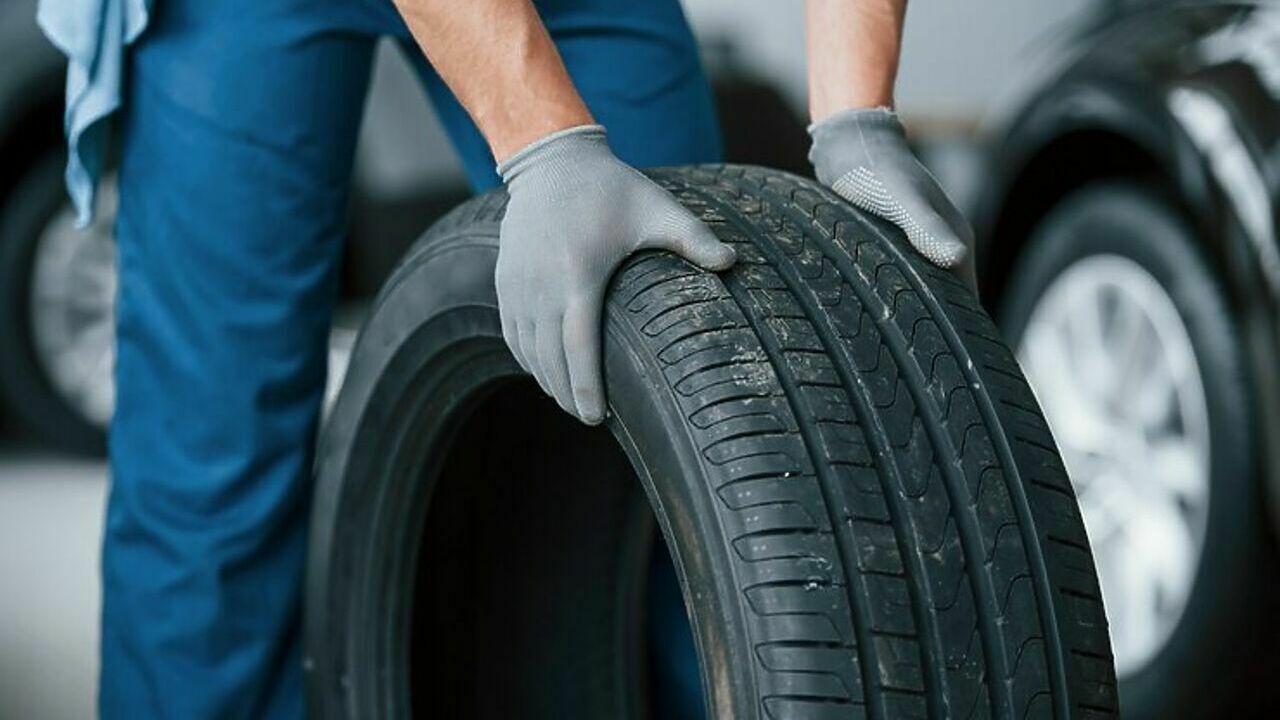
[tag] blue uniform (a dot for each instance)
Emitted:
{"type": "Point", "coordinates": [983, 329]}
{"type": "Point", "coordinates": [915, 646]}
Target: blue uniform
{"type": "Point", "coordinates": [238, 125]}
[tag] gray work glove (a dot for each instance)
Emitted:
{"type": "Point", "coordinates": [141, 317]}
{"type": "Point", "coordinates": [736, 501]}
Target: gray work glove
{"type": "Point", "coordinates": [863, 156]}
{"type": "Point", "coordinates": [575, 213]}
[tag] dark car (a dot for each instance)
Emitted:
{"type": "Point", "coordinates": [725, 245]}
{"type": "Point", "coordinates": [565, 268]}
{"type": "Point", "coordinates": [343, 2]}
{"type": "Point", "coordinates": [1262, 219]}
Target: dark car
{"type": "Point", "coordinates": [1130, 252]}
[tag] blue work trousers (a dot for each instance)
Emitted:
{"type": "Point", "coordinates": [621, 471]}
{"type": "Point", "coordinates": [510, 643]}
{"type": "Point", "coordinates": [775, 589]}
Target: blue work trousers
{"type": "Point", "coordinates": [238, 131]}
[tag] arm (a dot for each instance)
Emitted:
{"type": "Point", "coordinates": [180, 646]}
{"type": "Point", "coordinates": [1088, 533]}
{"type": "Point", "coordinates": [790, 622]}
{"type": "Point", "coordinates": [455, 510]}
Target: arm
{"type": "Point", "coordinates": [853, 48]}
{"type": "Point", "coordinates": [859, 147]}
{"type": "Point", "coordinates": [575, 211]}
{"type": "Point", "coordinates": [499, 61]}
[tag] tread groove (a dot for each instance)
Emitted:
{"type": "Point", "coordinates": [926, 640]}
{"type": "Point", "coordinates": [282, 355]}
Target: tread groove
{"type": "Point", "coordinates": [971, 541]}
{"type": "Point", "coordinates": [883, 455]}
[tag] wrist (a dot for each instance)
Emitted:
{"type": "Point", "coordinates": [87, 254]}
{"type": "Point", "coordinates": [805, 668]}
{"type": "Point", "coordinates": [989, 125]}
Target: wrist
{"type": "Point", "coordinates": [872, 119]}
{"type": "Point", "coordinates": [525, 128]}
{"type": "Point", "coordinates": [559, 150]}
{"type": "Point", "coordinates": [826, 105]}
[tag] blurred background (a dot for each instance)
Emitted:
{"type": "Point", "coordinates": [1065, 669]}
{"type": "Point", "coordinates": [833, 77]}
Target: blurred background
{"type": "Point", "coordinates": [1119, 160]}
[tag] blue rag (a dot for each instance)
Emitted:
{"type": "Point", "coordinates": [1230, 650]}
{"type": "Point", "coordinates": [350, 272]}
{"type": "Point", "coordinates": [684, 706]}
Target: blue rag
{"type": "Point", "coordinates": [93, 35]}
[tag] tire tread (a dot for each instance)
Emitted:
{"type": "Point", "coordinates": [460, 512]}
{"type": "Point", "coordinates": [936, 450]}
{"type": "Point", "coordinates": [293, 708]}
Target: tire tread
{"type": "Point", "coordinates": [847, 369]}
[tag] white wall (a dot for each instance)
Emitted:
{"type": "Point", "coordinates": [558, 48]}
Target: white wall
{"type": "Point", "coordinates": [959, 57]}
{"type": "Point", "coordinates": [958, 54]}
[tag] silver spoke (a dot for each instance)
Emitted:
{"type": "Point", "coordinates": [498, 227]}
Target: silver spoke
{"type": "Point", "coordinates": [1150, 396]}
{"type": "Point", "coordinates": [1175, 467]}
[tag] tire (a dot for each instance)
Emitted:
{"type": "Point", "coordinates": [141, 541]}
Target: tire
{"type": "Point", "coordinates": [1229, 601]}
{"type": "Point", "coordinates": [866, 512]}
{"type": "Point", "coordinates": [26, 389]}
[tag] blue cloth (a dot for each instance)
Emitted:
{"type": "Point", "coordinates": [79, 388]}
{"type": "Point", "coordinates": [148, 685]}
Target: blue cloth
{"type": "Point", "coordinates": [238, 129]}
{"type": "Point", "coordinates": [93, 35]}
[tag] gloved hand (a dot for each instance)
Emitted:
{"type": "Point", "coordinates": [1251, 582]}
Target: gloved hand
{"type": "Point", "coordinates": [863, 156]}
{"type": "Point", "coordinates": [575, 213]}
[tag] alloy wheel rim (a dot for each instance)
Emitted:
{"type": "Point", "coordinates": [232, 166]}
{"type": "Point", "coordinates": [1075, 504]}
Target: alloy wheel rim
{"type": "Point", "coordinates": [72, 311]}
{"type": "Point", "coordinates": [1114, 368]}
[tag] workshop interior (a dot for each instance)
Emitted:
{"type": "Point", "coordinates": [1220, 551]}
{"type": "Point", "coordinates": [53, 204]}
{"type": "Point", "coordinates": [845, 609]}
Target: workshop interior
{"type": "Point", "coordinates": [835, 479]}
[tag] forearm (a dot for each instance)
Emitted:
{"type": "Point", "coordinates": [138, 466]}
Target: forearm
{"type": "Point", "coordinates": [853, 48]}
{"type": "Point", "coordinates": [499, 61]}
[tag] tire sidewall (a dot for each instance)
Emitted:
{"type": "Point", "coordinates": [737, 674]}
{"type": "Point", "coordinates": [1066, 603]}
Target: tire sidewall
{"type": "Point", "coordinates": [444, 291]}
{"type": "Point", "coordinates": [1142, 225]}
{"type": "Point", "coordinates": [651, 429]}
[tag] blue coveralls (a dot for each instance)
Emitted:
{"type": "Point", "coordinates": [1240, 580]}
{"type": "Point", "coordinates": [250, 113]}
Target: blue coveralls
{"type": "Point", "coordinates": [239, 123]}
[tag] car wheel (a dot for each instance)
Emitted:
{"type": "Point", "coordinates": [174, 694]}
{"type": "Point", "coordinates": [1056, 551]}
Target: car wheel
{"type": "Point", "coordinates": [57, 300]}
{"type": "Point", "coordinates": [863, 505]}
{"type": "Point", "coordinates": [1123, 329]}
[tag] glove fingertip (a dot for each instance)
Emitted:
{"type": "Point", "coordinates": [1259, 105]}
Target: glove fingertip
{"type": "Point", "coordinates": [935, 239]}
{"type": "Point", "coordinates": [682, 233]}
{"type": "Point", "coordinates": [943, 254]}
{"type": "Point", "coordinates": [716, 257]}
{"type": "Point", "coordinates": [588, 398]}
{"type": "Point", "coordinates": [706, 250]}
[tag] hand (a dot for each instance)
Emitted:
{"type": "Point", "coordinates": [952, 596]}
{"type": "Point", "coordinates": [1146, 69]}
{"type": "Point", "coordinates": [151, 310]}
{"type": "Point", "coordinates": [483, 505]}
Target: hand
{"type": "Point", "coordinates": [575, 213]}
{"type": "Point", "coordinates": [863, 156]}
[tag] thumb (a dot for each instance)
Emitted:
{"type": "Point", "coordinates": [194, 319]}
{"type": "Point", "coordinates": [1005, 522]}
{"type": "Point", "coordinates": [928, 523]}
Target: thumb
{"type": "Point", "coordinates": [690, 238]}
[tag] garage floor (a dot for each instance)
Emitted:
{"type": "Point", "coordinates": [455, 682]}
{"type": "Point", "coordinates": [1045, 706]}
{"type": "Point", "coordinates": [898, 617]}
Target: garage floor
{"type": "Point", "coordinates": [50, 525]}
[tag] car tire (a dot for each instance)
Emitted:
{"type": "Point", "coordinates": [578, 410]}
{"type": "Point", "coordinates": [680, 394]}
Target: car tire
{"type": "Point", "coordinates": [26, 390]}
{"type": "Point", "coordinates": [1203, 668]}
{"type": "Point", "coordinates": [865, 509]}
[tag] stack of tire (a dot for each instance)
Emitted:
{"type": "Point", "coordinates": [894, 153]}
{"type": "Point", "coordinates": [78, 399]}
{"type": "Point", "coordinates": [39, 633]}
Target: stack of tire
{"type": "Point", "coordinates": [865, 510]}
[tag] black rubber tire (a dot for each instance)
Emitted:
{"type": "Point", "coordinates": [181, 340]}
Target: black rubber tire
{"type": "Point", "coordinates": [867, 513]}
{"type": "Point", "coordinates": [30, 401]}
{"type": "Point", "coordinates": [1231, 601]}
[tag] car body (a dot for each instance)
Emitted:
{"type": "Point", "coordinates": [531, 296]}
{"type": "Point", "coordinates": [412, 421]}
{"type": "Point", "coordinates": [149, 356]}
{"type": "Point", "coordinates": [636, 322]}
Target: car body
{"type": "Point", "coordinates": [1166, 113]}
{"type": "Point", "coordinates": [1189, 92]}
{"type": "Point", "coordinates": [32, 78]}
